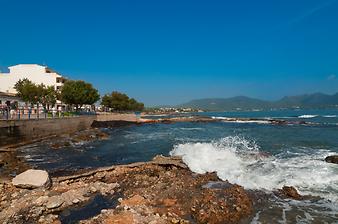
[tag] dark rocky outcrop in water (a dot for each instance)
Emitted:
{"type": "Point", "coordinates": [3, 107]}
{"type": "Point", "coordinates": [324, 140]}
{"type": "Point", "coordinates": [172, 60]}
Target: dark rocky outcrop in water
{"type": "Point", "coordinates": [290, 192]}
{"type": "Point", "coordinates": [332, 159]}
{"type": "Point", "coordinates": [112, 124]}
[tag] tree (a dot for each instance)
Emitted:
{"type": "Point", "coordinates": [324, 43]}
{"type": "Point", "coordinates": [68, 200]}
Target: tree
{"type": "Point", "coordinates": [135, 106]}
{"type": "Point", "coordinates": [121, 102]}
{"type": "Point", "coordinates": [79, 93]}
{"type": "Point", "coordinates": [50, 96]}
{"type": "Point", "coordinates": [29, 92]}
{"type": "Point", "coordinates": [106, 101]}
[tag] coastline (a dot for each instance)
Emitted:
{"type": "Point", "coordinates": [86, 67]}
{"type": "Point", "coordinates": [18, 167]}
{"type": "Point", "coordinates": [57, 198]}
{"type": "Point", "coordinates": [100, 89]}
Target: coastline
{"type": "Point", "coordinates": [129, 192]}
{"type": "Point", "coordinates": [126, 194]}
{"type": "Point", "coordinates": [12, 165]}
{"type": "Point", "coordinates": [111, 121]}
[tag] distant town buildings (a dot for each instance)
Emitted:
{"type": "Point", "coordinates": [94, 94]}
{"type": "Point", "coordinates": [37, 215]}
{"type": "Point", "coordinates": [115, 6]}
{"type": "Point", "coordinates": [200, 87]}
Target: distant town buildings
{"type": "Point", "coordinates": [38, 74]}
{"type": "Point", "coordinates": [171, 110]}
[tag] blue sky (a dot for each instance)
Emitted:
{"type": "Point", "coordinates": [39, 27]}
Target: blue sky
{"type": "Point", "coordinates": [172, 51]}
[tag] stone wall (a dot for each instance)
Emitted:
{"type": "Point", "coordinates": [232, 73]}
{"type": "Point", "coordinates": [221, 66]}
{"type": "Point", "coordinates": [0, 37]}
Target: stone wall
{"type": "Point", "coordinates": [16, 131]}
{"type": "Point", "coordinates": [131, 117]}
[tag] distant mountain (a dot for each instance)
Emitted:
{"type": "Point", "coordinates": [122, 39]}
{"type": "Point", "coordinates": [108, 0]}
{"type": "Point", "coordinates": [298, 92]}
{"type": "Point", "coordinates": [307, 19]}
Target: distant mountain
{"type": "Point", "coordinates": [219, 104]}
{"type": "Point", "coordinates": [309, 101]}
{"type": "Point", "coordinates": [316, 100]}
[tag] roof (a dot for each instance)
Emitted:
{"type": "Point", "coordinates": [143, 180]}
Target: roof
{"type": "Point", "coordinates": [13, 66]}
{"type": "Point", "coordinates": [48, 69]}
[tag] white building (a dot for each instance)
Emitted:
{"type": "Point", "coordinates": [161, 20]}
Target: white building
{"type": "Point", "coordinates": [36, 73]}
{"type": "Point", "coordinates": [7, 98]}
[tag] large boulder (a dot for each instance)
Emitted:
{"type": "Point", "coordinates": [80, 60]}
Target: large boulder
{"type": "Point", "coordinates": [332, 159]}
{"type": "Point", "coordinates": [31, 179]}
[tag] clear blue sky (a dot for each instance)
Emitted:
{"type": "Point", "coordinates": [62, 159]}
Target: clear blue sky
{"type": "Point", "coordinates": [168, 52]}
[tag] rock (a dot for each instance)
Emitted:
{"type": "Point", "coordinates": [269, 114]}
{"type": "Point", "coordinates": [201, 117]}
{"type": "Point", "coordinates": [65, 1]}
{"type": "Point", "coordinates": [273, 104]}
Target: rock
{"type": "Point", "coordinates": [31, 179]}
{"type": "Point", "coordinates": [76, 201]}
{"type": "Point", "coordinates": [41, 200]}
{"type": "Point", "coordinates": [332, 159]}
{"type": "Point", "coordinates": [169, 202]}
{"type": "Point", "coordinates": [54, 202]}
{"type": "Point", "coordinates": [169, 161]}
{"type": "Point", "coordinates": [291, 192]}
{"type": "Point", "coordinates": [93, 189]}
{"type": "Point", "coordinates": [174, 221]}
{"type": "Point", "coordinates": [104, 210]}
{"type": "Point", "coordinates": [134, 201]}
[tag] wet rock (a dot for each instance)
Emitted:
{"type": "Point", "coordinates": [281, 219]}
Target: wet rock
{"type": "Point", "coordinates": [332, 159]}
{"type": "Point", "coordinates": [54, 202]}
{"type": "Point", "coordinates": [169, 161]}
{"type": "Point", "coordinates": [31, 179]}
{"type": "Point", "coordinates": [291, 192]}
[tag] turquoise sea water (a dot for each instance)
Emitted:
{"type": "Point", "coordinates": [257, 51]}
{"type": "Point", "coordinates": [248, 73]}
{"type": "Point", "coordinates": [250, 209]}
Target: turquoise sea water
{"type": "Point", "coordinates": [257, 155]}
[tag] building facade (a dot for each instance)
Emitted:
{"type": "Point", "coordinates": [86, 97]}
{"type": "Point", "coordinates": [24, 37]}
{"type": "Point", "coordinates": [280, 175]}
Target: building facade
{"type": "Point", "coordinates": [38, 74]}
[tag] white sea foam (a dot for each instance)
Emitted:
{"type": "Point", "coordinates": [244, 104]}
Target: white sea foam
{"type": "Point", "coordinates": [191, 129]}
{"type": "Point", "coordinates": [251, 121]}
{"type": "Point", "coordinates": [330, 116]}
{"type": "Point", "coordinates": [307, 116]}
{"type": "Point", "coordinates": [243, 121]}
{"type": "Point", "coordinates": [220, 118]}
{"type": "Point", "coordinates": [239, 161]}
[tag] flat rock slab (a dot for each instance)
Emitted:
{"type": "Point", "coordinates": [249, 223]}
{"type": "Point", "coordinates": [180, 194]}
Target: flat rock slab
{"type": "Point", "coordinates": [31, 179]}
{"type": "Point", "coordinates": [54, 202]}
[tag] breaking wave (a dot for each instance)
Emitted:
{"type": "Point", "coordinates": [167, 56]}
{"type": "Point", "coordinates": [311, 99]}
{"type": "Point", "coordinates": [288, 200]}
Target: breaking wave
{"type": "Point", "coordinates": [307, 116]}
{"type": "Point", "coordinates": [242, 120]}
{"type": "Point", "coordinates": [240, 161]}
{"type": "Point", "coordinates": [330, 116]}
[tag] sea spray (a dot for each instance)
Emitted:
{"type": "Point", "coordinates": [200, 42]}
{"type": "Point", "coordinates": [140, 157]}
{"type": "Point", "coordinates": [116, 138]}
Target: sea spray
{"type": "Point", "coordinates": [239, 161]}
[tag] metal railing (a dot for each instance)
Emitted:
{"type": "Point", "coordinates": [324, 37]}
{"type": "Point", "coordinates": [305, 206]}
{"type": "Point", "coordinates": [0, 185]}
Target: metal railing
{"type": "Point", "coordinates": [6, 113]}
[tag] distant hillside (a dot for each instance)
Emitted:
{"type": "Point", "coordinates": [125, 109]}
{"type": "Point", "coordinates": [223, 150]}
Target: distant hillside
{"type": "Point", "coordinates": [218, 104]}
{"type": "Point", "coordinates": [317, 100]}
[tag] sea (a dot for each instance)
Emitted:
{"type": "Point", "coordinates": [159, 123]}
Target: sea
{"type": "Point", "coordinates": [259, 155]}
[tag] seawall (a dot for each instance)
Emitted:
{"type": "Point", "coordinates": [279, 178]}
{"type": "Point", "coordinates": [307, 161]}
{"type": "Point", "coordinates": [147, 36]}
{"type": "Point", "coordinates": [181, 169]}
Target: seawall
{"type": "Point", "coordinates": [16, 131]}
{"type": "Point", "coordinates": [13, 132]}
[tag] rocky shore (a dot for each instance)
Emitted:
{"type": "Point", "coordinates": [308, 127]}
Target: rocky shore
{"type": "Point", "coordinates": [163, 190]}
{"type": "Point", "coordinates": [159, 191]}
{"type": "Point", "coordinates": [11, 164]}
{"type": "Point", "coordinates": [197, 118]}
